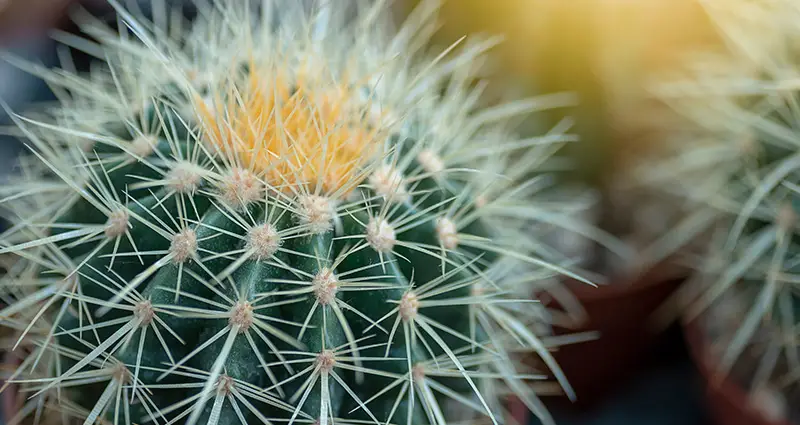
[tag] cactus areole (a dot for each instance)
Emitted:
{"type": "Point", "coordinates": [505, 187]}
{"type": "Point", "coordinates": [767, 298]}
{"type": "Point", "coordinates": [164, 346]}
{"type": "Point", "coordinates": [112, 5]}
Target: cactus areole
{"type": "Point", "coordinates": [270, 216]}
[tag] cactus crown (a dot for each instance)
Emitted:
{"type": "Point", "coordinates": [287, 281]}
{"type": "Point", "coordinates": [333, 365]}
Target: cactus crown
{"type": "Point", "coordinates": [274, 215]}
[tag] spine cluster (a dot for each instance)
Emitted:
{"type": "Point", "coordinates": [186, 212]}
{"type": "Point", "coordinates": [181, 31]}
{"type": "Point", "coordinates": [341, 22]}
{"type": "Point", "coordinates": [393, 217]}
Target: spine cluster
{"type": "Point", "coordinates": [272, 215]}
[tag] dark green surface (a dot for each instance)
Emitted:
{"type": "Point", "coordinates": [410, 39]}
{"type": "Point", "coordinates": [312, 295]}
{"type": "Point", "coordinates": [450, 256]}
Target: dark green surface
{"type": "Point", "coordinates": [666, 394]}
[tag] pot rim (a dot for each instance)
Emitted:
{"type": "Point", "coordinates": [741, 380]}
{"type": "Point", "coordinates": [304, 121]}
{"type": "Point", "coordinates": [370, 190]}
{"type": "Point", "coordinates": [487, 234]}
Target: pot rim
{"type": "Point", "coordinates": [8, 398]}
{"type": "Point", "coordinates": [725, 387]}
{"type": "Point", "coordinates": [627, 285]}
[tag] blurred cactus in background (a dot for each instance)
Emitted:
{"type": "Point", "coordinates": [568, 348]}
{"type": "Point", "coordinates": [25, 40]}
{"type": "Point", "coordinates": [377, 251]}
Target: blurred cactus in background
{"type": "Point", "coordinates": [743, 163]}
{"type": "Point", "coordinates": [606, 52]}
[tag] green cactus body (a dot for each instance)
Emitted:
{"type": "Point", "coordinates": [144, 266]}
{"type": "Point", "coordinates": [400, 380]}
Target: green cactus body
{"type": "Point", "coordinates": [261, 243]}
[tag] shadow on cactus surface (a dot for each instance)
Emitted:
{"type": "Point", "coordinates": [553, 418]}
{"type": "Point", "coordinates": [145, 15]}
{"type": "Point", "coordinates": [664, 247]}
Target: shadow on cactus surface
{"type": "Point", "coordinates": [281, 215]}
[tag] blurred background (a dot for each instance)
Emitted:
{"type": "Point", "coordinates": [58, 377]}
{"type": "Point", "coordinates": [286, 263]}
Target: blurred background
{"type": "Point", "coordinates": [604, 50]}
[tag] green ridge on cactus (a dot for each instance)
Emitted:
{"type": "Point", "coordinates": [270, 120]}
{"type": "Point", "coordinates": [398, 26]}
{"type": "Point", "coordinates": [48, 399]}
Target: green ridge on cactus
{"type": "Point", "coordinates": [261, 243]}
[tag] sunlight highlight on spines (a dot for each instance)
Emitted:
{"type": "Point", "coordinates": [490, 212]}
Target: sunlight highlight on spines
{"type": "Point", "coordinates": [321, 225]}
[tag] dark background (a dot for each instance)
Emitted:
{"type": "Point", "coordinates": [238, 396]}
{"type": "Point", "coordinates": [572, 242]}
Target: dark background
{"type": "Point", "coordinates": [668, 391]}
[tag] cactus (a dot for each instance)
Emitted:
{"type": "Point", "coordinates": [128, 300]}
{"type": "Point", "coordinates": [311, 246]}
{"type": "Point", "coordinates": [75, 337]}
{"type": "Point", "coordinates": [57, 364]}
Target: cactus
{"type": "Point", "coordinates": [276, 215]}
{"type": "Point", "coordinates": [745, 299]}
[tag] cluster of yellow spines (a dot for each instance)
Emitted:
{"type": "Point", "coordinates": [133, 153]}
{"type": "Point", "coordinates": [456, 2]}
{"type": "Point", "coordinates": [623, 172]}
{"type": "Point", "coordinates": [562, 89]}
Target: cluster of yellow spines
{"type": "Point", "coordinates": [308, 219]}
{"type": "Point", "coordinates": [295, 131]}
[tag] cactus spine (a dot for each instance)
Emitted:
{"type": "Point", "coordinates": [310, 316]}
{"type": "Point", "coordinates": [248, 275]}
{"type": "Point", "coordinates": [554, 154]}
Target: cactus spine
{"type": "Point", "coordinates": [274, 216]}
{"type": "Point", "coordinates": [746, 169]}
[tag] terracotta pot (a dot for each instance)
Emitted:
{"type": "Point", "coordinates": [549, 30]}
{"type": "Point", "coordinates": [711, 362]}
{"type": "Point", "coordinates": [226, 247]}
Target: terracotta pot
{"type": "Point", "coordinates": [620, 313]}
{"type": "Point", "coordinates": [21, 20]}
{"type": "Point", "coordinates": [727, 401]}
{"type": "Point", "coordinates": [10, 403]}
